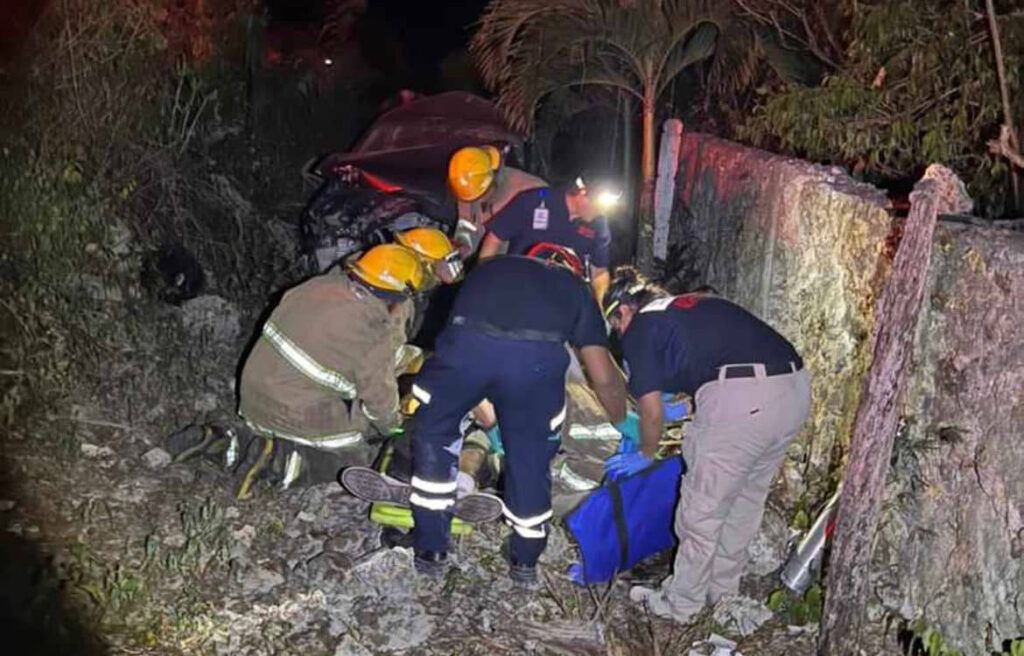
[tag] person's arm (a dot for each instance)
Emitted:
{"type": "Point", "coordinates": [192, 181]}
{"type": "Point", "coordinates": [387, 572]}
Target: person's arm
{"type": "Point", "coordinates": [605, 380]}
{"type": "Point", "coordinates": [491, 246]}
{"type": "Point", "coordinates": [651, 422]}
{"type": "Point", "coordinates": [599, 281]}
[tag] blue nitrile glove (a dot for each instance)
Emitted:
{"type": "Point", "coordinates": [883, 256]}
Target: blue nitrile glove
{"type": "Point", "coordinates": [674, 409]}
{"type": "Point", "coordinates": [630, 430]}
{"type": "Point", "coordinates": [626, 464]}
{"type": "Point", "coordinates": [494, 437]}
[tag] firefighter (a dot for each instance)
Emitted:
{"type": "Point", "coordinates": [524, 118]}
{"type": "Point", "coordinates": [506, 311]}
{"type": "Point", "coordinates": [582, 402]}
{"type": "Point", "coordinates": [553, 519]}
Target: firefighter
{"type": "Point", "coordinates": [483, 186]}
{"type": "Point", "coordinates": [751, 395]}
{"type": "Point", "coordinates": [506, 341]}
{"type": "Point", "coordinates": [321, 377]}
{"type": "Point", "coordinates": [570, 216]}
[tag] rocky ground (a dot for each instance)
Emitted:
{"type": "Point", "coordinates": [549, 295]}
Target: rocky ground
{"type": "Point", "coordinates": [108, 547]}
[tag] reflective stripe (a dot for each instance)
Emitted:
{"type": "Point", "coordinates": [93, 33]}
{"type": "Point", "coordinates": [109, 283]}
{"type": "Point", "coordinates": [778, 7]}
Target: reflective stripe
{"type": "Point", "coordinates": [534, 520]}
{"type": "Point", "coordinates": [658, 304]}
{"type": "Point", "coordinates": [557, 420]}
{"type": "Point", "coordinates": [292, 469]}
{"type": "Point", "coordinates": [306, 364]}
{"type": "Point", "coordinates": [573, 480]}
{"type": "Point", "coordinates": [421, 394]}
{"type": "Point", "coordinates": [430, 504]}
{"type": "Point", "coordinates": [330, 442]}
{"type": "Point", "coordinates": [432, 487]}
{"type": "Point", "coordinates": [530, 533]}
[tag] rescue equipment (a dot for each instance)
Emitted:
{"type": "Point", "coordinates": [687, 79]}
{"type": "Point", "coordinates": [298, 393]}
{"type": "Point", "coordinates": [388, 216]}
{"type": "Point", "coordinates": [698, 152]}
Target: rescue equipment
{"type": "Point", "coordinates": [625, 521]}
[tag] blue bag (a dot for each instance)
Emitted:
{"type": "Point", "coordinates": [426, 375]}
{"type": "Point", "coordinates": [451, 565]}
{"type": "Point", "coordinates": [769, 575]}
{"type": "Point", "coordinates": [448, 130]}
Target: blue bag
{"type": "Point", "coordinates": [625, 521]}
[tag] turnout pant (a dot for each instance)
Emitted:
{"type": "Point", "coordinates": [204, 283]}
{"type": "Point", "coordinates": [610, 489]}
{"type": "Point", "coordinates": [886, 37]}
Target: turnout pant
{"type": "Point", "coordinates": [526, 382]}
{"type": "Point", "coordinates": [733, 450]}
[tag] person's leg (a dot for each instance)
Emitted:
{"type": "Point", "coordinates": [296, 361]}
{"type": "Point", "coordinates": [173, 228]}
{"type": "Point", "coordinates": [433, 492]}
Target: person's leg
{"type": "Point", "coordinates": [530, 404]}
{"type": "Point", "coordinates": [782, 409]}
{"type": "Point", "coordinates": [447, 387]}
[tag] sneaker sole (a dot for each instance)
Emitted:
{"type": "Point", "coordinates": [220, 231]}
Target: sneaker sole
{"type": "Point", "coordinates": [370, 485]}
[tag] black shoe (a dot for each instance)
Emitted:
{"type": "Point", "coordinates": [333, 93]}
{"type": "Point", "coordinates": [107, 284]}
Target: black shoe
{"type": "Point", "coordinates": [431, 563]}
{"type": "Point", "coordinates": [371, 485]}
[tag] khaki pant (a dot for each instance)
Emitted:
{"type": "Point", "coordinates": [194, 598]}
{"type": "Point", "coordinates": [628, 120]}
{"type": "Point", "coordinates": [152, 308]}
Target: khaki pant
{"type": "Point", "coordinates": [733, 450]}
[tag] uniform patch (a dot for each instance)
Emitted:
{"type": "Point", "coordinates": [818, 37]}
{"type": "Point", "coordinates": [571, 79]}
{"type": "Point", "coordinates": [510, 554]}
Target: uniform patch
{"type": "Point", "coordinates": [686, 301]}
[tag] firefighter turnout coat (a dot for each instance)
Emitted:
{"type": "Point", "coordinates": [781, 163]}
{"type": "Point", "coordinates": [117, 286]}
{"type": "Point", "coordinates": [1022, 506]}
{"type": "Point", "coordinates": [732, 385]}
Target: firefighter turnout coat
{"type": "Point", "coordinates": [322, 371]}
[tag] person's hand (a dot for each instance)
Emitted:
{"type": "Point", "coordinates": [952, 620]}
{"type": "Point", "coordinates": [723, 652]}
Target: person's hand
{"type": "Point", "coordinates": [626, 464]}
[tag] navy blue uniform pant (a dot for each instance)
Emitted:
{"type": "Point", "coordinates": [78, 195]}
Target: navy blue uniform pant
{"type": "Point", "coordinates": [525, 380]}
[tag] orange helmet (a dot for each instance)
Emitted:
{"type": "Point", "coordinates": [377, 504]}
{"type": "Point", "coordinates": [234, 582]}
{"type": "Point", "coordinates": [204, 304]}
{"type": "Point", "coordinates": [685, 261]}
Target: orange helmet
{"type": "Point", "coordinates": [471, 171]}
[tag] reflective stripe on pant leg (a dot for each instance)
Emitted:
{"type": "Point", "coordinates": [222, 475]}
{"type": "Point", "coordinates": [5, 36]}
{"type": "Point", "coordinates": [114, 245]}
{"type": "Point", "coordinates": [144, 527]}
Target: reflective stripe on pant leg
{"type": "Point", "coordinates": [530, 403]}
{"type": "Point", "coordinates": [446, 390]}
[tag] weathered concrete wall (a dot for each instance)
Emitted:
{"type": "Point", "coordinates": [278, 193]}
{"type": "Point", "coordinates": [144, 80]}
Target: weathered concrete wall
{"type": "Point", "coordinates": [951, 548]}
{"type": "Point", "coordinates": [800, 245]}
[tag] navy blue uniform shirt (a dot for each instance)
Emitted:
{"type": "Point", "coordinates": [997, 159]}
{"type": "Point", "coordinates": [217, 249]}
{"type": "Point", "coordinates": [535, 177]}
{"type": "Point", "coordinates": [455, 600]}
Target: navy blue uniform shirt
{"type": "Point", "coordinates": [521, 226]}
{"type": "Point", "coordinates": [511, 293]}
{"type": "Point", "coordinates": [677, 344]}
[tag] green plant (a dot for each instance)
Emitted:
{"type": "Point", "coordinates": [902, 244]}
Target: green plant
{"type": "Point", "coordinates": [916, 84]}
{"type": "Point", "coordinates": [528, 49]}
{"type": "Point", "coordinates": [798, 611]}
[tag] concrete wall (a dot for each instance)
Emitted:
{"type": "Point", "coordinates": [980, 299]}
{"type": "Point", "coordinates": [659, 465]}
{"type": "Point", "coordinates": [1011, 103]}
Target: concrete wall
{"type": "Point", "coordinates": [951, 549]}
{"type": "Point", "coordinates": [800, 245]}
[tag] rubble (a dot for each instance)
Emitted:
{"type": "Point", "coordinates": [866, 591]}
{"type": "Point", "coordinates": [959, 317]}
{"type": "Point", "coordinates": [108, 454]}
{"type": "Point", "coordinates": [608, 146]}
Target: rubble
{"type": "Point", "coordinates": [740, 614]}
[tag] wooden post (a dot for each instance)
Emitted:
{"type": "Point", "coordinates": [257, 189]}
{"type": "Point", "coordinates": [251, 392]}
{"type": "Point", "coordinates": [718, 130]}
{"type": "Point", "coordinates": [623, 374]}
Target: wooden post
{"type": "Point", "coordinates": [665, 186]}
{"type": "Point", "coordinates": [938, 192]}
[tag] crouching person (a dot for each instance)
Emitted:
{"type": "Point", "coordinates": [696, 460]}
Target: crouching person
{"type": "Point", "coordinates": [506, 342]}
{"type": "Point", "coordinates": [321, 378]}
{"type": "Point", "coordinates": [752, 395]}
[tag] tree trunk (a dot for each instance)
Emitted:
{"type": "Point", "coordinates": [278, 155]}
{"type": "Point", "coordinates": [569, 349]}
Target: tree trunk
{"type": "Point", "coordinates": [939, 191]}
{"type": "Point", "coordinates": [645, 220]}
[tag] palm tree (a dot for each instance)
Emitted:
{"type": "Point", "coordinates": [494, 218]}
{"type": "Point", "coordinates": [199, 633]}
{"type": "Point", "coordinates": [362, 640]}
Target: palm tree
{"type": "Point", "coordinates": [527, 49]}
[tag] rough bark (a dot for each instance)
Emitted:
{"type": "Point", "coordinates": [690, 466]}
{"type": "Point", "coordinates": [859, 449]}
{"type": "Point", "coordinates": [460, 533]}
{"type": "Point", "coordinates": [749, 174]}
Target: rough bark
{"type": "Point", "coordinates": [877, 416]}
{"type": "Point", "coordinates": [955, 496]}
{"type": "Point", "coordinates": [645, 223]}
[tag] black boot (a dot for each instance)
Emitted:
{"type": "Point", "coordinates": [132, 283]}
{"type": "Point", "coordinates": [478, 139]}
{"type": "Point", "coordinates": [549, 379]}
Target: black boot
{"type": "Point", "coordinates": [431, 563]}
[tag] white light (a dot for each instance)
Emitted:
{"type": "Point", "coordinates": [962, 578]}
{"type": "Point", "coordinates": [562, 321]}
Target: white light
{"type": "Point", "coordinates": [607, 199]}
{"type": "Point", "coordinates": [328, 61]}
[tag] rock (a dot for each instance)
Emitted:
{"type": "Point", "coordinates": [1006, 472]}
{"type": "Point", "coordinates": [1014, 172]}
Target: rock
{"type": "Point", "coordinates": [7, 504]}
{"type": "Point", "coordinates": [349, 647]}
{"type": "Point", "coordinates": [715, 645]}
{"type": "Point", "coordinates": [212, 317]}
{"type": "Point", "coordinates": [156, 458]}
{"type": "Point", "coordinates": [949, 546]}
{"type": "Point", "coordinates": [103, 453]}
{"type": "Point", "coordinates": [740, 614]}
{"type": "Point", "coordinates": [768, 551]}
{"type": "Point", "coordinates": [260, 580]}
{"type": "Point", "coordinates": [800, 246]}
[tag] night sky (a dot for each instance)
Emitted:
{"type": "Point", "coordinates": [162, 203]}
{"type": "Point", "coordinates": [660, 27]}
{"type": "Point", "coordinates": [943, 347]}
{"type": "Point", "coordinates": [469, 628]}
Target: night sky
{"type": "Point", "coordinates": [427, 31]}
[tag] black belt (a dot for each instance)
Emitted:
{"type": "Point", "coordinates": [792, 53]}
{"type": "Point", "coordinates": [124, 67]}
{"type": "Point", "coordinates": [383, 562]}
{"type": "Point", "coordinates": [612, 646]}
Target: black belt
{"type": "Point", "coordinates": [770, 369]}
{"type": "Point", "coordinates": [515, 334]}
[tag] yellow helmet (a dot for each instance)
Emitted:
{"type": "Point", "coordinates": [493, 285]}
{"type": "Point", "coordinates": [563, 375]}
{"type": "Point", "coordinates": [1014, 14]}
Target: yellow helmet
{"type": "Point", "coordinates": [443, 263]}
{"type": "Point", "coordinates": [391, 268]}
{"type": "Point", "coordinates": [471, 171]}
{"type": "Point", "coordinates": [431, 243]}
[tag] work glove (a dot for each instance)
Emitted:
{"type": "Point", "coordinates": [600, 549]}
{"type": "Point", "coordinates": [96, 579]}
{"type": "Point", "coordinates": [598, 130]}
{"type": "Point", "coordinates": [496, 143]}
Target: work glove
{"type": "Point", "coordinates": [626, 464]}
{"type": "Point", "coordinates": [630, 430]}
{"type": "Point", "coordinates": [494, 437]}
